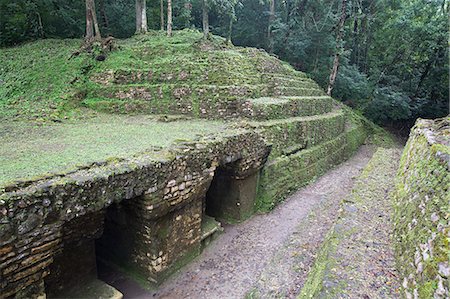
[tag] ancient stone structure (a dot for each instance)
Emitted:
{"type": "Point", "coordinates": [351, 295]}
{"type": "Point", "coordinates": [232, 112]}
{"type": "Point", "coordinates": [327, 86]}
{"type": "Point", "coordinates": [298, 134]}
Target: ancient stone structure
{"type": "Point", "coordinates": [142, 214]}
{"type": "Point", "coordinates": [422, 200]}
{"type": "Point", "coordinates": [147, 215]}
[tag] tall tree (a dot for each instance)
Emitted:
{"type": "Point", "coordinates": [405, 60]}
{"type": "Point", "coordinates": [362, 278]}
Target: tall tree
{"type": "Point", "coordinates": [141, 16]}
{"type": "Point", "coordinates": [169, 17]}
{"type": "Point", "coordinates": [103, 16]}
{"type": "Point", "coordinates": [339, 47]}
{"type": "Point", "coordinates": [270, 27]}
{"type": "Point", "coordinates": [92, 28]}
{"type": "Point", "coordinates": [205, 18]}
{"type": "Point", "coordinates": [161, 13]}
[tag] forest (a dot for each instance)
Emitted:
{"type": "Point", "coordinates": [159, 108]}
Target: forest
{"type": "Point", "coordinates": [391, 55]}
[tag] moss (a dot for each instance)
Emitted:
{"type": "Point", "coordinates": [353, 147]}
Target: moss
{"type": "Point", "coordinates": [324, 261]}
{"type": "Point", "coordinates": [38, 80]}
{"type": "Point", "coordinates": [49, 86]}
{"type": "Point", "coordinates": [178, 264]}
{"type": "Point", "coordinates": [29, 150]}
{"type": "Point", "coordinates": [421, 209]}
{"type": "Point", "coordinates": [342, 242]}
{"type": "Point", "coordinates": [427, 289]}
{"type": "Point", "coordinates": [300, 132]}
{"type": "Point", "coordinates": [285, 174]}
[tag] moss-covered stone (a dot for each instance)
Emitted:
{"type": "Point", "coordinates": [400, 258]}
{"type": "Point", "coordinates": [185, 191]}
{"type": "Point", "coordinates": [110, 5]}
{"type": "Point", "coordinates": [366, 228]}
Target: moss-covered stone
{"type": "Point", "coordinates": [285, 174]}
{"type": "Point", "coordinates": [359, 241]}
{"type": "Point", "coordinates": [422, 206]}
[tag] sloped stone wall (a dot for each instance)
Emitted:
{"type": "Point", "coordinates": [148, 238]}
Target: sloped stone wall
{"type": "Point", "coordinates": [285, 174]}
{"type": "Point", "coordinates": [422, 205]}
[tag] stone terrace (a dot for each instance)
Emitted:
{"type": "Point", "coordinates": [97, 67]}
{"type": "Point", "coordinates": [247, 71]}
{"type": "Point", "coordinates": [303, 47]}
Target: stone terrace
{"type": "Point", "coordinates": [148, 213]}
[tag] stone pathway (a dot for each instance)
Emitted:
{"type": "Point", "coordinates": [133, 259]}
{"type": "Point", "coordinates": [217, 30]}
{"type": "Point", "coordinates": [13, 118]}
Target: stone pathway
{"type": "Point", "coordinates": [268, 255]}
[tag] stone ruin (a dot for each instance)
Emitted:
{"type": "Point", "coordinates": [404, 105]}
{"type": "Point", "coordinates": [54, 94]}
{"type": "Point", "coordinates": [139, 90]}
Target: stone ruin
{"type": "Point", "coordinates": [150, 214]}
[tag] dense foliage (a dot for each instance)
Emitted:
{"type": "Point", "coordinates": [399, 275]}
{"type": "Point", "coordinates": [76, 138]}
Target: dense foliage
{"type": "Point", "coordinates": [393, 56]}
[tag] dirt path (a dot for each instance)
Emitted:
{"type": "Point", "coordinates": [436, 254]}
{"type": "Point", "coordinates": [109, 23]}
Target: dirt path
{"type": "Point", "coordinates": [268, 255]}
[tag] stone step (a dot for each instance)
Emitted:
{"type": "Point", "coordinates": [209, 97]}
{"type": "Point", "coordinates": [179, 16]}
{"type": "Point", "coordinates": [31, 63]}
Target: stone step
{"type": "Point", "coordinates": [288, 75]}
{"type": "Point", "coordinates": [178, 94]}
{"type": "Point", "coordinates": [211, 228]}
{"type": "Point", "coordinates": [356, 257]}
{"type": "Point", "coordinates": [267, 108]}
{"type": "Point", "coordinates": [294, 83]}
{"type": "Point", "coordinates": [293, 134]}
{"type": "Point", "coordinates": [94, 289]}
{"type": "Point", "coordinates": [289, 80]}
{"type": "Point", "coordinates": [297, 91]}
{"type": "Point", "coordinates": [185, 75]}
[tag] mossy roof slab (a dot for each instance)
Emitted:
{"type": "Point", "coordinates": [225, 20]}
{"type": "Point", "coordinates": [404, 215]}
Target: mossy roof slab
{"type": "Point", "coordinates": [29, 151]}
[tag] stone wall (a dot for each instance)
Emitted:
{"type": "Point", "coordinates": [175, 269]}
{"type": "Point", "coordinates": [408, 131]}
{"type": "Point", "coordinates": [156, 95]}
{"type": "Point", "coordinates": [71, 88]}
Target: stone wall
{"type": "Point", "coordinates": [45, 226]}
{"type": "Point", "coordinates": [286, 173]}
{"type": "Point", "coordinates": [422, 198]}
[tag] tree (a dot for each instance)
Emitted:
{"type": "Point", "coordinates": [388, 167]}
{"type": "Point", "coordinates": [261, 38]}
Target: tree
{"type": "Point", "coordinates": [92, 28]}
{"type": "Point", "coordinates": [205, 18]}
{"type": "Point", "coordinates": [161, 13]}
{"type": "Point", "coordinates": [271, 21]}
{"type": "Point", "coordinates": [141, 16]}
{"type": "Point", "coordinates": [103, 17]}
{"type": "Point", "coordinates": [169, 17]}
{"type": "Point", "coordinates": [339, 47]}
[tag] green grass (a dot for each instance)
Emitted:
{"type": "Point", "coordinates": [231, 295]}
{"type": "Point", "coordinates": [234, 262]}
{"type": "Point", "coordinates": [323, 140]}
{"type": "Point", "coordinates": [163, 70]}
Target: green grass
{"type": "Point", "coordinates": [36, 79]}
{"type": "Point", "coordinates": [63, 97]}
{"type": "Point", "coordinates": [30, 150]}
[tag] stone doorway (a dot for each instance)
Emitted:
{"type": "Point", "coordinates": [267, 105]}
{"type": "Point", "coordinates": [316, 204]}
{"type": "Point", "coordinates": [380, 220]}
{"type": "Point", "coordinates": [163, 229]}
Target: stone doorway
{"type": "Point", "coordinates": [231, 198]}
{"type": "Point", "coordinates": [73, 273]}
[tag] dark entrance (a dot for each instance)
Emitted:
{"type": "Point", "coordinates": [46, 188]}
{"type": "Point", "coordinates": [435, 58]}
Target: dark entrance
{"type": "Point", "coordinates": [230, 198]}
{"type": "Point", "coordinates": [73, 273]}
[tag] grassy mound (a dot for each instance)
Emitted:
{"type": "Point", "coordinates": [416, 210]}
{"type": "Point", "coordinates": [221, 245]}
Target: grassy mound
{"type": "Point", "coordinates": [147, 74]}
{"type": "Point", "coordinates": [37, 79]}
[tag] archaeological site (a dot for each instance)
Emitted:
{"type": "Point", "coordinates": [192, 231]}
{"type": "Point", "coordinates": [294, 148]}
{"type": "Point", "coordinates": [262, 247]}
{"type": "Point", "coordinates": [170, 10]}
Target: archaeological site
{"type": "Point", "coordinates": [183, 163]}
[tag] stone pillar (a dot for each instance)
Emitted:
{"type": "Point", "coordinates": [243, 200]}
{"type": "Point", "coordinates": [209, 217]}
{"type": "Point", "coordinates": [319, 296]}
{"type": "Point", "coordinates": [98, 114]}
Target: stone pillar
{"type": "Point", "coordinates": [24, 263]}
{"type": "Point", "coordinates": [155, 234]}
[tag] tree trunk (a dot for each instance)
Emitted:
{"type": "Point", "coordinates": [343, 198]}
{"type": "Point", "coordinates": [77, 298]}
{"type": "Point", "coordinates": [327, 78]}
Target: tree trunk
{"type": "Point", "coordinates": [89, 27]}
{"type": "Point", "coordinates": [144, 16]}
{"type": "Point", "coordinates": [230, 29]}
{"type": "Point", "coordinates": [104, 18]}
{"type": "Point", "coordinates": [162, 14]}
{"type": "Point", "coordinates": [141, 16]}
{"type": "Point", "coordinates": [138, 16]}
{"type": "Point", "coordinates": [269, 28]}
{"type": "Point", "coordinates": [41, 26]}
{"type": "Point", "coordinates": [205, 19]}
{"type": "Point", "coordinates": [427, 69]}
{"type": "Point", "coordinates": [92, 28]}
{"type": "Point", "coordinates": [354, 56]}
{"type": "Point", "coordinates": [94, 19]}
{"type": "Point", "coordinates": [169, 17]}
{"type": "Point", "coordinates": [339, 48]}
